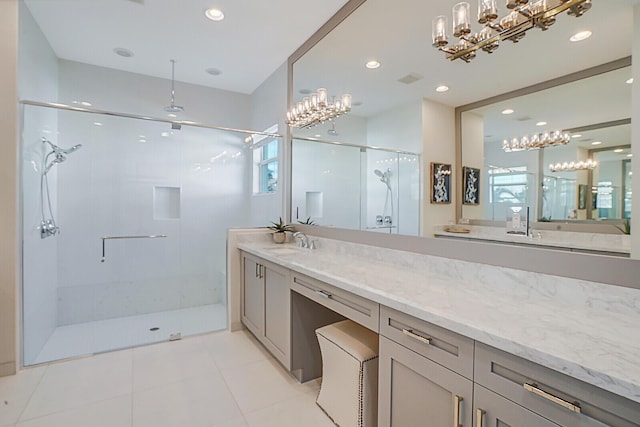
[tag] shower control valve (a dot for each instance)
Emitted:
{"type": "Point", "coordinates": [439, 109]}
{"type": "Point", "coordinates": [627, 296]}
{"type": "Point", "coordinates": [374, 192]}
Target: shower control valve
{"type": "Point", "coordinates": [48, 228]}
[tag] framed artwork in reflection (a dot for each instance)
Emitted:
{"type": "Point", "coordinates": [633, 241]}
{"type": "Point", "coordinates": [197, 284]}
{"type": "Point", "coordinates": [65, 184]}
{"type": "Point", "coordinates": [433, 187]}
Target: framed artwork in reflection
{"type": "Point", "coordinates": [440, 183]}
{"type": "Point", "coordinates": [470, 186]}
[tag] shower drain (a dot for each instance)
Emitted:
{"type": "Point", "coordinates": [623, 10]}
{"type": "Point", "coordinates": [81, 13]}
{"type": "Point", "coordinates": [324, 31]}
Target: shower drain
{"type": "Point", "coordinates": [155, 328]}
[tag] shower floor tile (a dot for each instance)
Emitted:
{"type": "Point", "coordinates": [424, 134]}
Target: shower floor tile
{"type": "Point", "coordinates": [112, 334]}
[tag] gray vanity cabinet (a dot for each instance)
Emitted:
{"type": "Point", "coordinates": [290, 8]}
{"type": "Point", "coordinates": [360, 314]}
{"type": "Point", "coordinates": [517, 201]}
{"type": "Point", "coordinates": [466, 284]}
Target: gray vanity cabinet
{"type": "Point", "coordinates": [265, 305]}
{"type": "Point", "coordinates": [414, 390]}
{"type": "Point", "coordinates": [491, 410]}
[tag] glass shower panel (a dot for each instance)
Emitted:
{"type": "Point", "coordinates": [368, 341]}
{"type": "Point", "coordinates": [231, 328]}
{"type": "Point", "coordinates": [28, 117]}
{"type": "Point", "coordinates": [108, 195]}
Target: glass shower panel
{"type": "Point", "coordinates": [326, 184]}
{"type": "Point", "coordinates": [138, 215]}
{"type": "Point", "coordinates": [381, 188]}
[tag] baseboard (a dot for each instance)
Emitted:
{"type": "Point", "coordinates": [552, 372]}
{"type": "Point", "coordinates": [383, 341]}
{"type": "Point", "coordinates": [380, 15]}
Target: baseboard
{"type": "Point", "coordinates": [8, 368]}
{"type": "Point", "coordinates": [236, 326]}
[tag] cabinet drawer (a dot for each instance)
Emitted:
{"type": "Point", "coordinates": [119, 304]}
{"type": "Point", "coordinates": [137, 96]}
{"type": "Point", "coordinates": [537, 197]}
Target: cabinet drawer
{"type": "Point", "coordinates": [440, 345]}
{"type": "Point", "coordinates": [557, 397]}
{"type": "Point", "coordinates": [491, 409]}
{"type": "Point", "coordinates": [358, 309]}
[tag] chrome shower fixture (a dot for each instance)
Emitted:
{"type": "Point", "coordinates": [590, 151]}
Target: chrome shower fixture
{"type": "Point", "coordinates": [48, 227]}
{"type": "Point", "coordinates": [173, 108]}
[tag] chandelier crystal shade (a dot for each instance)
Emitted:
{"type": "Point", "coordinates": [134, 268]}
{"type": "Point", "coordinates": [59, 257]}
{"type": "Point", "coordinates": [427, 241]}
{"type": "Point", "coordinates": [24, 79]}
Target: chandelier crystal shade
{"type": "Point", "coordinates": [523, 16]}
{"type": "Point", "coordinates": [536, 141]}
{"type": "Point", "coordinates": [573, 166]}
{"type": "Point", "coordinates": [316, 109]}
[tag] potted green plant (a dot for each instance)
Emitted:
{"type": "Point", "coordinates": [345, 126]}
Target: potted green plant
{"type": "Point", "coordinates": [280, 231]}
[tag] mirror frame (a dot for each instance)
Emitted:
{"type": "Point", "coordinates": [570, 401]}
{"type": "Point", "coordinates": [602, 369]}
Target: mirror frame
{"type": "Point", "coordinates": [569, 78]}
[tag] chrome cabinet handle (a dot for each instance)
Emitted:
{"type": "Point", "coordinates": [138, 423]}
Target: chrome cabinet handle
{"type": "Point", "coordinates": [323, 294]}
{"type": "Point", "coordinates": [555, 399]}
{"type": "Point", "coordinates": [411, 334]}
{"type": "Point", "coordinates": [261, 270]}
{"type": "Point", "coordinates": [479, 415]}
{"type": "Point", "coordinates": [257, 269]}
{"type": "Point", "coordinates": [456, 410]}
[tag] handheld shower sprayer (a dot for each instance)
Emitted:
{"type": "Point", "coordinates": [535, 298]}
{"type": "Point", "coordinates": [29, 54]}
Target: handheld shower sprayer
{"type": "Point", "coordinates": [48, 227]}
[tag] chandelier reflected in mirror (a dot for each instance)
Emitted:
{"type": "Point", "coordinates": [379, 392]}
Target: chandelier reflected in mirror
{"type": "Point", "coordinates": [573, 166]}
{"type": "Point", "coordinates": [316, 109]}
{"type": "Point", "coordinates": [524, 16]}
{"type": "Point", "coordinates": [536, 141]}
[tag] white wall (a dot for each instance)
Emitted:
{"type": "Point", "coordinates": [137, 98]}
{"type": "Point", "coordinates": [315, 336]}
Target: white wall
{"type": "Point", "coordinates": [438, 133]}
{"type": "Point", "coordinates": [38, 71]}
{"type": "Point", "coordinates": [268, 107]}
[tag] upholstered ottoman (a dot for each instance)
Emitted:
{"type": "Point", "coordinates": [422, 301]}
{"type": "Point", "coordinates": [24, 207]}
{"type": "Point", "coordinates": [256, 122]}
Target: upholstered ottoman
{"type": "Point", "coordinates": [349, 390]}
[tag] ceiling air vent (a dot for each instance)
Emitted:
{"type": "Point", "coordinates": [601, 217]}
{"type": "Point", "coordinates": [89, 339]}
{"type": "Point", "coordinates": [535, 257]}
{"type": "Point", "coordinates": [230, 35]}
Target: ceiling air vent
{"type": "Point", "coordinates": [523, 119]}
{"type": "Point", "coordinates": [411, 78]}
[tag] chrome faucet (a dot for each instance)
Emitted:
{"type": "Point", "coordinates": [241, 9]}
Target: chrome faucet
{"type": "Point", "coordinates": [304, 240]}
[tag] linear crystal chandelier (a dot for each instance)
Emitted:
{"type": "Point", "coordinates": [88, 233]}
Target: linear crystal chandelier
{"type": "Point", "coordinates": [316, 109]}
{"type": "Point", "coordinates": [573, 166]}
{"type": "Point", "coordinates": [524, 15]}
{"type": "Point", "coordinates": [536, 141]}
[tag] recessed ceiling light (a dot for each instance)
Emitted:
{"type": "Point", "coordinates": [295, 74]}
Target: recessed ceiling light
{"type": "Point", "coordinates": [125, 53]}
{"type": "Point", "coordinates": [581, 35]}
{"type": "Point", "coordinates": [97, 123]}
{"type": "Point", "coordinates": [541, 124]}
{"type": "Point", "coordinates": [507, 111]}
{"type": "Point", "coordinates": [630, 81]}
{"type": "Point", "coordinates": [629, 155]}
{"type": "Point", "coordinates": [618, 150]}
{"type": "Point", "coordinates": [213, 71]}
{"type": "Point", "coordinates": [372, 65]}
{"type": "Point", "coordinates": [214, 14]}
{"type": "Point", "coordinates": [86, 104]}
{"type": "Point", "coordinates": [171, 115]}
{"type": "Point", "coordinates": [142, 140]}
{"type": "Point", "coordinates": [577, 135]}
{"type": "Point", "coordinates": [317, 136]}
{"type": "Point", "coordinates": [442, 88]}
{"type": "Point", "coordinates": [165, 134]}
{"type": "Point", "coordinates": [596, 143]}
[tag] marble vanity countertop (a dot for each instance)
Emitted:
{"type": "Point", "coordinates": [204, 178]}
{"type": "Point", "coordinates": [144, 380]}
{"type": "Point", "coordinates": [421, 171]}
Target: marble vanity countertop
{"type": "Point", "coordinates": [587, 330]}
{"type": "Point", "coordinates": [597, 242]}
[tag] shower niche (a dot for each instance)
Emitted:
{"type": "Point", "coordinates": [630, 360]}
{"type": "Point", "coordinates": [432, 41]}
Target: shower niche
{"type": "Point", "coordinates": [360, 188]}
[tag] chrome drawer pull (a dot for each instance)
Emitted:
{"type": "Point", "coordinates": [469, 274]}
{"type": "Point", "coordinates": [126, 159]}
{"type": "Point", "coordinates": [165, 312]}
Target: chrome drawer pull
{"type": "Point", "coordinates": [323, 294]}
{"type": "Point", "coordinates": [456, 410]}
{"type": "Point", "coordinates": [555, 399]}
{"type": "Point", "coordinates": [479, 416]}
{"type": "Point", "coordinates": [411, 334]}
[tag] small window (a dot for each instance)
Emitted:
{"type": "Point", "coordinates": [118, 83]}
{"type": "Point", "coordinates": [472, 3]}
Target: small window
{"type": "Point", "coordinates": [265, 159]}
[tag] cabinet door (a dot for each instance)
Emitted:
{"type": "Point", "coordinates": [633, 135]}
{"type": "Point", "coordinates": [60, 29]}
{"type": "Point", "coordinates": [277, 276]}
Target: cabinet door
{"type": "Point", "coordinates": [253, 296]}
{"type": "Point", "coordinates": [493, 410]}
{"type": "Point", "coordinates": [277, 312]}
{"type": "Point", "coordinates": [415, 391]}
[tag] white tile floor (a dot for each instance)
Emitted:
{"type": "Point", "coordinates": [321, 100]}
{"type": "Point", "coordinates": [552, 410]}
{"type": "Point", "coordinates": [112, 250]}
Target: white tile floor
{"type": "Point", "coordinates": [220, 379]}
{"type": "Point", "coordinates": [124, 332]}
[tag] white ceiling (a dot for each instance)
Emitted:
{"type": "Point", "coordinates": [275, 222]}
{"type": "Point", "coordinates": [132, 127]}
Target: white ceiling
{"type": "Point", "coordinates": [399, 36]}
{"type": "Point", "coordinates": [253, 40]}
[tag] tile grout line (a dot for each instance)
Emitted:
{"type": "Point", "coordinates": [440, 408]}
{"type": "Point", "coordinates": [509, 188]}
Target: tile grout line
{"type": "Point", "coordinates": [24, 408]}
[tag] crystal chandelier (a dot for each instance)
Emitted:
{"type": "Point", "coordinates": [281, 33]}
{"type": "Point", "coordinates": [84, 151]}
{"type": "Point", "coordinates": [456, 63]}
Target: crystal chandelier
{"type": "Point", "coordinates": [536, 141]}
{"type": "Point", "coordinates": [316, 109]}
{"type": "Point", "coordinates": [523, 16]}
{"type": "Point", "coordinates": [573, 166]}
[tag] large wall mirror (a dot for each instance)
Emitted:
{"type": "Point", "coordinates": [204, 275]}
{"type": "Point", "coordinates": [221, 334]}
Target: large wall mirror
{"type": "Point", "coordinates": [594, 112]}
{"type": "Point", "coordinates": [339, 167]}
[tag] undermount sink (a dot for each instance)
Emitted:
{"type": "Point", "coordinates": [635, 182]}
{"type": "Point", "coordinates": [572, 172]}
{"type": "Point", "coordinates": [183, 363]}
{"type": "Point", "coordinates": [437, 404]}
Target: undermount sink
{"type": "Point", "coordinates": [283, 250]}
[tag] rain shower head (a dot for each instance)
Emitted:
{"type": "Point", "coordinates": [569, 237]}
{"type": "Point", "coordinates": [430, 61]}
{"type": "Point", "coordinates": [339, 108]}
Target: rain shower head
{"type": "Point", "coordinates": [173, 108]}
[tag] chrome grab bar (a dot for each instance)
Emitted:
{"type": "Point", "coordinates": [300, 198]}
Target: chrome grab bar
{"type": "Point", "coordinates": [105, 238]}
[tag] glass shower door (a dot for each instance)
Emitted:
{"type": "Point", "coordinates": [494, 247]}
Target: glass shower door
{"type": "Point", "coordinates": [141, 211]}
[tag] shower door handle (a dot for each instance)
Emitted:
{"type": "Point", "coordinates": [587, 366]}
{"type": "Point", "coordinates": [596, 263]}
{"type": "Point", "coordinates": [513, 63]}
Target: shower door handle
{"type": "Point", "coordinates": [105, 238]}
